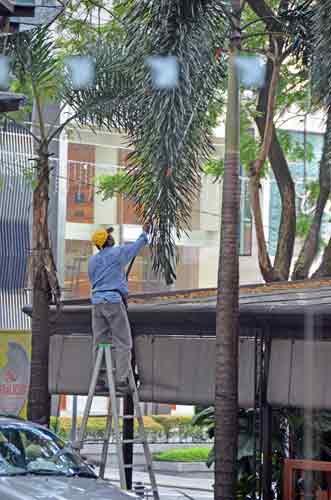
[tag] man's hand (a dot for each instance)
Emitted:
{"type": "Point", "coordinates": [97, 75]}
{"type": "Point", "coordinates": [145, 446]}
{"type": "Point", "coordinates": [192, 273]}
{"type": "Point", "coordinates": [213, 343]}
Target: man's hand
{"type": "Point", "coordinates": [146, 227]}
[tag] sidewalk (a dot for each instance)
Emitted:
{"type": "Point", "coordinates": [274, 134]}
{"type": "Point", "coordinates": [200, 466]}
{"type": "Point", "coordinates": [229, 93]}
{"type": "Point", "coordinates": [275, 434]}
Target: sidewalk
{"type": "Point", "coordinates": [193, 484]}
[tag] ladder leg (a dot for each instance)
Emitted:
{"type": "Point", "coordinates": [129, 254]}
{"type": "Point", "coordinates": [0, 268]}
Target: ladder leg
{"type": "Point", "coordinates": [142, 434]}
{"type": "Point", "coordinates": [112, 394]}
{"type": "Point", "coordinates": [91, 392]}
{"type": "Point", "coordinates": [105, 445]}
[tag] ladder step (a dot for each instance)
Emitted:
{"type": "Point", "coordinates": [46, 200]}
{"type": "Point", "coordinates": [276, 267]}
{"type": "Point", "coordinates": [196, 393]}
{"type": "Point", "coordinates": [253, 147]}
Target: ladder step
{"type": "Point", "coordinates": [127, 417]}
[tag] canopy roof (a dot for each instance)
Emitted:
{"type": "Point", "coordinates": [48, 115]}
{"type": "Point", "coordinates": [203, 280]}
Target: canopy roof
{"type": "Point", "coordinates": [281, 307]}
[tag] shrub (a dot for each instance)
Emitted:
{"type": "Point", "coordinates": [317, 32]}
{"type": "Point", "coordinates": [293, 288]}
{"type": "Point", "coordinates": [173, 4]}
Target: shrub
{"type": "Point", "coordinates": [181, 427]}
{"type": "Point", "coordinates": [96, 427]}
{"type": "Point", "coordinates": [173, 424]}
{"type": "Point", "coordinates": [183, 455]}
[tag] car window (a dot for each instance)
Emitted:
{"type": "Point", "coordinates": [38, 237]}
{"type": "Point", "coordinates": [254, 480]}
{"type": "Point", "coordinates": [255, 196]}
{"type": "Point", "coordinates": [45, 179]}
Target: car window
{"type": "Point", "coordinates": [37, 451]}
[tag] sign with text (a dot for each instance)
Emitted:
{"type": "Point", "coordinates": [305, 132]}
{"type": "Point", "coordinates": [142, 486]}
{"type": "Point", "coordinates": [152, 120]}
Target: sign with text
{"type": "Point", "coordinates": [15, 358]}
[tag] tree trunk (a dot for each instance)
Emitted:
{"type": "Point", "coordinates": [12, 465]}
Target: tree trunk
{"type": "Point", "coordinates": [39, 399]}
{"type": "Point", "coordinates": [227, 313]}
{"type": "Point", "coordinates": [324, 271]}
{"type": "Point", "coordinates": [265, 265]}
{"type": "Point", "coordinates": [309, 249]}
{"type": "Point", "coordinates": [44, 283]}
{"type": "Point", "coordinates": [287, 228]}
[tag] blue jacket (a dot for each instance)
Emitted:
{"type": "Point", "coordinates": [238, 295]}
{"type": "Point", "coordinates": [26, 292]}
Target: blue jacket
{"type": "Point", "coordinates": [106, 270]}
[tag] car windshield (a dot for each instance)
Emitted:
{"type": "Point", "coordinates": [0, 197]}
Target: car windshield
{"type": "Point", "coordinates": [32, 450]}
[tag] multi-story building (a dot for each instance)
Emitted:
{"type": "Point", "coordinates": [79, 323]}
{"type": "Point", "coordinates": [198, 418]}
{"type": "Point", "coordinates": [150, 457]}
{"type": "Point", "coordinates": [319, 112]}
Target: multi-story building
{"type": "Point", "coordinates": [89, 157]}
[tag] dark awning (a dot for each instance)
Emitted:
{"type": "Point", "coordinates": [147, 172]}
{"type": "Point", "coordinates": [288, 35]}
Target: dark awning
{"type": "Point", "coordinates": [9, 101]}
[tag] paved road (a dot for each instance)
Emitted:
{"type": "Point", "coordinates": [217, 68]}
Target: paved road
{"type": "Point", "coordinates": [174, 486]}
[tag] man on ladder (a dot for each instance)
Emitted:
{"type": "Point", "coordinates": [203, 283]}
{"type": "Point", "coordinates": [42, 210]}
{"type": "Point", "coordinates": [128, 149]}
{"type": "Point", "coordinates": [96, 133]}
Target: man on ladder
{"type": "Point", "coordinates": [111, 332]}
{"type": "Point", "coordinates": [109, 286]}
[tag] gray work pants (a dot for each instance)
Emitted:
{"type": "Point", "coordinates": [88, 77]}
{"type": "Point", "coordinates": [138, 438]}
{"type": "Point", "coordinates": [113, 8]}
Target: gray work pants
{"type": "Point", "coordinates": [110, 324]}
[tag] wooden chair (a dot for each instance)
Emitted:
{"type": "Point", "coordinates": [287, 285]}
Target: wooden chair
{"type": "Point", "coordinates": [291, 467]}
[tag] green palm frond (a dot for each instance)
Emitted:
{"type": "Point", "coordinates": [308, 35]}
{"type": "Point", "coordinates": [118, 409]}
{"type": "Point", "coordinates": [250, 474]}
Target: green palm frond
{"type": "Point", "coordinates": [103, 104]}
{"type": "Point", "coordinates": [170, 129]}
{"type": "Point", "coordinates": [36, 60]}
{"type": "Point", "coordinates": [296, 22]}
{"type": "Point", "coordinates": [322, 44]}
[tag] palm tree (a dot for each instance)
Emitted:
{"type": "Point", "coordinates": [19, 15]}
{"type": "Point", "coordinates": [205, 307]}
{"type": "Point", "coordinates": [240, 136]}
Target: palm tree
{"type": "Point", "coordinates": [39, 67]}
{"type": "Point", "coordinates": [170, 129]}
{"type": "Point", "coordinates": [227, 309]}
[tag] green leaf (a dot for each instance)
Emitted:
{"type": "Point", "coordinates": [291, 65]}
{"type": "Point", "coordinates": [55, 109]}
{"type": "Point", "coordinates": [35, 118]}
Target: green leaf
{"type": "Point", "coordinates": [111, 185]}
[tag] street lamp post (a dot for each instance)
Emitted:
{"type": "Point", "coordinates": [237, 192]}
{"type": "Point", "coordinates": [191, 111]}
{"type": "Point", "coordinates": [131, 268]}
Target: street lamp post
{"type": "Point", "coordinates": [227, 313]}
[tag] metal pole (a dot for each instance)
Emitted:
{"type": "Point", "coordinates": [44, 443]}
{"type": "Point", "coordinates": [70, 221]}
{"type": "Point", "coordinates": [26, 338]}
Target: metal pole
{"type": "Point", "coordinates": [74, 419]}
{"type": "Point", "coordinates": [128, 409]}
{"type": "Point", "coordinates": [128, 435]}
{"type": "Point", "coordinates": [266, 416]}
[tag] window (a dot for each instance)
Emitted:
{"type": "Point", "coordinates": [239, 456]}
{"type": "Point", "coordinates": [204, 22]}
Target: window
{"type": "Point", "coordinates": [80, 197]}
{"type": "Point", "coordinates": [34, 450]}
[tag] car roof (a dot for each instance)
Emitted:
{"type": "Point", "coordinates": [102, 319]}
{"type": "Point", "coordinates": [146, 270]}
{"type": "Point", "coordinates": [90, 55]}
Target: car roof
{"type": "Point", "coordinates": [12, 419]}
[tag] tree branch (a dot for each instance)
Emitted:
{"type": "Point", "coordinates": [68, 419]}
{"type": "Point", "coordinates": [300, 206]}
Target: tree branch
{"type": "Point", "coordinates": [286, 234]}
{"type": "Point", "coordinates": [265, 13]}
{"type": "Point", "coordinates": [324, 269]}
{"type": "Point", "coordinates": [59, 129]}
{"type": "Point", "coordinates": [263, 255]}
{"type": "Point", "coordinates": [309, 249]}
{"type": "Point", "coordinates": [267, 136]}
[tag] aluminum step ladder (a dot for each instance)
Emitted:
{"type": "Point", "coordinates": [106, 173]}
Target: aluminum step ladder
{"type": "Point", "coordinates": [104, 354]}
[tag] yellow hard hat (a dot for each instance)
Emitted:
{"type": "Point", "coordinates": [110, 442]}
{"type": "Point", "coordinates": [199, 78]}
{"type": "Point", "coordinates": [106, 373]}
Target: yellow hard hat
{"type": "Point", "coordinates": [100, 237]}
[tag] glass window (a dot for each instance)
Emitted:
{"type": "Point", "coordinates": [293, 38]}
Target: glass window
{"type": "Point", "coordinates": [37, 451]}
{"type": "Point", "coordinates": [298, 172]}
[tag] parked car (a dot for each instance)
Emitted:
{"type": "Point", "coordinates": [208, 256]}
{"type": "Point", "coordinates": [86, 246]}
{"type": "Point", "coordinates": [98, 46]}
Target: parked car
{"type": "Point", "coordinates": [37, 464]}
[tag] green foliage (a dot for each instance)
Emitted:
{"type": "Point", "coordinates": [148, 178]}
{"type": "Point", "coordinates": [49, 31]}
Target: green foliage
{"type": "Point", "coordinates": [206, 418]}
{"type": "Point", "coordinates": [246, 481]}
{"type": "Point", "coordinates": [183, 455]}
{"type": "Point", "coordinates": [319, 427]}
{"type": "Point", "coordinates": [171, 423]}
{"type": "Point", "coordinates": [111, 185]}
{"type": "Point", "coordinates": [96, 426]}
{"type": "Point", "coordinates": [249, 145]}
{"type": "Point", "coordinates": [246, 487]}
{"type": "Point", "coordinates": [158, 427]}
{"type": "Point", "coordinates": [106, 104]}
{"type": "Point", "coordinates": [249, 149]}
{"type": "Point", "coordinates": [214, 167]}
{"type": "Point", "coordinates": [293, 149]}
{"type": "Point", "coordinates": [37, 65]}
{"type": "Point", "coordinates": [303, 225]}
{"type": "Point", "coordinates": [304, 220]}
{"type": "Point", "coordinates": [313, 189]}
{"type": "Point", "coordinates": [322, 43]}
{"type": "Point", "coordinates": [170, 129]}
{"type": "Point", "coordinates": [85, 23]}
